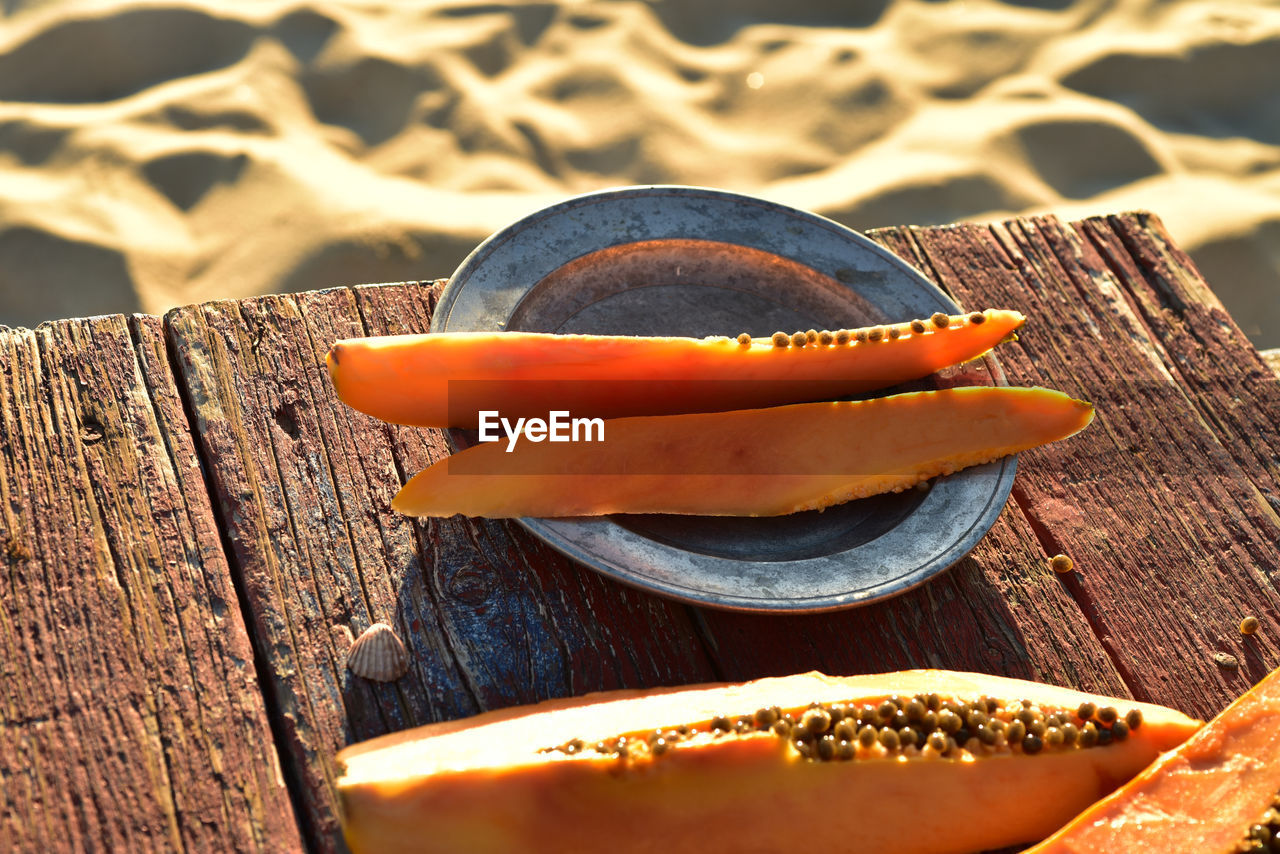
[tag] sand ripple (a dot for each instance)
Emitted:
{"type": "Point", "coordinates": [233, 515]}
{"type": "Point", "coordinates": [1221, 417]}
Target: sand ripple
{"type": "Point", "coordinates": [156, 153]}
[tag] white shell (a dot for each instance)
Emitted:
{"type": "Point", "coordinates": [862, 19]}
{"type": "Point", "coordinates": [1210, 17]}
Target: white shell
{"type": "Point", "coordinates": [378, 655]}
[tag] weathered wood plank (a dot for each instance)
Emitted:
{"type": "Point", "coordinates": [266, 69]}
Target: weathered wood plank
{"type": "Point", "coordinates": [1000, 610]}
{"type": "Point", "coordinates": [1199, 342]}
{"type": "Point", "coordinates": [303, 486]}
{"type": "Point", "coordinates": [1172, 539]}
{"type": "Point", "coordinates": [130, 715]}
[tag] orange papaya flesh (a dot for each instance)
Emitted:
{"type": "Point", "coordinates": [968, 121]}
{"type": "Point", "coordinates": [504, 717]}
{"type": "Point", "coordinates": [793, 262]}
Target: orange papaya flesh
{"type": "Point", "coordinates": [760, 462]}
{"type": "Point", "coordinates": [762, 766]}
{"type": "Point", "coordinates": [1213, 795]}
{"type": "Point", "coordinates": [446, 379]}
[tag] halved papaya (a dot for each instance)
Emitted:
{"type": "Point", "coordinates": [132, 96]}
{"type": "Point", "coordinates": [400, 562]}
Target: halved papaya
{"type": "Point", "coordinates": [757, 462]}
{"type": "Point", "coordinates": [915, 761]}
{"type": "Point", "coordinates": [446, 379]}
{"type": "Point", "coordinates": [1216, 794]}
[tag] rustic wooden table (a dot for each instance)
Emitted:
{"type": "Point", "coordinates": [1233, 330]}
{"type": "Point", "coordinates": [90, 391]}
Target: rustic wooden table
{"type": "Point", "coordinates": [192, 529]}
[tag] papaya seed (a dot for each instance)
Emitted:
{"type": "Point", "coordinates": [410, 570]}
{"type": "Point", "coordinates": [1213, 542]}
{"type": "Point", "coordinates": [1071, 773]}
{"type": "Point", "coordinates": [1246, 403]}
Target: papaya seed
{"type": "Point", "coordinates": [948, 721]}
{"type": "Point", "coordinates": [894, 333]}
{"type": "Point", "coordinates": [1133, 718]}
{"type": "Point", "coordinates": [867, 736]}
{"type": "Point", "coordinates": [1086, 711]}
{"type": "Point", "coordinates": [843, 337]}
{"type": "Point", "coordinates": [1107, 715]}
{"type": "Point", "coordinates": [780, 339]}
{"type": "Point", "coordinates": [861, 335]}
{"type": "Point", "coordinates": [1070, 735]}
{"type": "Point", "coordinates": [825, 338]}
{"type": "Point", "coordinates": [845, 749]}
{"type": "Point", "coordinates": [1249, 625]}
{"type": "Point", "coordinates": [827, 747]}
{"type": "Point", "coordinates": [744, 339]}
{"type": "Point", "coordinates": [1032, 744]}
{"type": "Point", "coordinates": [1016, 732]}
{"type": "Point", "coordinates": [1089, 734]}
{"type": "Point", "coordinates": [918, 327]}
{"type": "Point", "coordinates": [1119, 730]}
{"type": "Point", "coordinates": [977, 317]}
{"type": "Point", "coordinates": [799, 339]}
{"type": "Point", "coordinates": [937, 741]}
{"type": "Point", "coordinates": [940, 319]}
{"type": "Point", "coordinates": [889, 739]}
{"type": "Point", "coordinates": [875, 333]}
{"type": "Point", "coordinates": [768, 717]}
{"type": "Point", "coordinates": [815, 721]}
{"type": "Point", "coordinates": [1061, 564]}
{"type": "Point", "coordinates": [811, 337]}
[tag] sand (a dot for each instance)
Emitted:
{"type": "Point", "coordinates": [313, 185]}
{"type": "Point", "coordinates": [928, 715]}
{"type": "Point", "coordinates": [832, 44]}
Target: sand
{"type": "Point", "coordinates": [160, 153]}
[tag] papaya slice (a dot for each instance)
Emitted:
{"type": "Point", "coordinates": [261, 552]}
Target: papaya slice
{"type": "Point", "coordinates": [1216, 794]}
{"type": "Point", "coordinates": [757, 462]}
{"type": "Point", "coordinates": [915, 761]}
{"type": "Point", "coordinates": [447, 379]}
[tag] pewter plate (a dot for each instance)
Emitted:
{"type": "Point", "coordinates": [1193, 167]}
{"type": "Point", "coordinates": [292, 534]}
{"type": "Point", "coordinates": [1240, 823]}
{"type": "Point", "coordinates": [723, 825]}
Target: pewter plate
{"type": "Point", "coordinates": [689, 261]}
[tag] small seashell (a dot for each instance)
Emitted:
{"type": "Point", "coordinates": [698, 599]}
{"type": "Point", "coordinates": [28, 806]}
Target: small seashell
{"type": "Point", "coordinates": [1226, 659]}
{"type": "Point", "coordinates": [378, 655]}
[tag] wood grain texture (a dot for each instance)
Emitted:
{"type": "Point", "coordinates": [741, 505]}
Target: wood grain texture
{"type": "Point", "coordinates": [130, 714]}
{"type": "Point", "coordinates": [303, 485]}
{"type": "Point", "coordinates": [1172, 536]}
